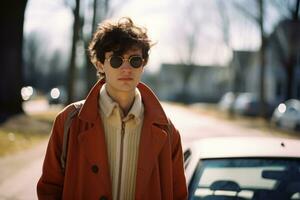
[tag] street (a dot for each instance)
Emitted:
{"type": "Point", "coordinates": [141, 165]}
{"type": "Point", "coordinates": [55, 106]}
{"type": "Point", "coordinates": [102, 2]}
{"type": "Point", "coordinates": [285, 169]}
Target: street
{"type": "Point", "coordinates": [192, 125]}
{"type": "Point", "coordinates": [20, 173]}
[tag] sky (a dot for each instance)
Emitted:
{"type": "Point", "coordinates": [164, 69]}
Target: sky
{"type": "Point", "coordinates": [169, 25]}
{"type": "Point", "coordinates": [164, 27]}
{"type": "Point", "coordinates": [51, 18]}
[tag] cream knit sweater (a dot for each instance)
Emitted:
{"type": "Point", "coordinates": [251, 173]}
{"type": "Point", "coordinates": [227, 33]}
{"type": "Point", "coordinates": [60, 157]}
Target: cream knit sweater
{"type": "Point", "coordinates": [122, 150]}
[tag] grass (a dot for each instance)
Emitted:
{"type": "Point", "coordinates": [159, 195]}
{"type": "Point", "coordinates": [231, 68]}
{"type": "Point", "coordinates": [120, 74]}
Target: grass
{"type": "Point", "coordinates": [12, 142]}
{"type": "Point", "coordinates": [23, 131]}
{"type": "Point", "coordinates": [249, 122]}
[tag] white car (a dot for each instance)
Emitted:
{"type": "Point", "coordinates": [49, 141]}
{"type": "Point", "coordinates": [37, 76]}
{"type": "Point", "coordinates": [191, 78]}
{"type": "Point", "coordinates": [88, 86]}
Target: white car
{"type": "Point", "coordinates": [256, 168]}
{"type": "Point", "coordinates": [227, 101]}
{"type": "Point", "coordinates": [287, 115]}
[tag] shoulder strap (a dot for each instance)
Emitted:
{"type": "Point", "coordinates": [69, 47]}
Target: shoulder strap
{"type": "Point", "coordinates": [75, 110]}
{"type": "Point", "coordinates": [169, 130]}
{"type": "Point", "coordinates": [169, 126]}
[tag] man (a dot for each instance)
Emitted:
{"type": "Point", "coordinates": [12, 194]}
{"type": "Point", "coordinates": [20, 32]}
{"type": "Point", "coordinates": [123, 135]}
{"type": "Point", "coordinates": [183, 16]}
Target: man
{"type": "Point", "coordinates": [121, 144]}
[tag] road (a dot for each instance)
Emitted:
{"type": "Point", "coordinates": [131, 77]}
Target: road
{"type": "Point", "coordinates": [205, 126]}
{"type": "Point", "coordinates": [19, 173]}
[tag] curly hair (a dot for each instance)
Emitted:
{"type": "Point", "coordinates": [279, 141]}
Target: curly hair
{"type": "Point", "coordinates": [118, 37]}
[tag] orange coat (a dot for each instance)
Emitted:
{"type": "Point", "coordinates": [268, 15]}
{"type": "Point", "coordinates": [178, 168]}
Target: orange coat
{"type": "Point", "coordinates": [160, 171]}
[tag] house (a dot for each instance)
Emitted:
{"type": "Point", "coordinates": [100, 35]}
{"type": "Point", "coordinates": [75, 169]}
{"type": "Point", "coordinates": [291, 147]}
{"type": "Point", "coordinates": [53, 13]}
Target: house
{"type": "Point", "coordinates": [282, 70]}
{"type": "Point", "coordinates": [283, 60]}
{"type": "Point", "coordinates": [192, 83]}
{"type": "Point", "coordinates": [245, 70]}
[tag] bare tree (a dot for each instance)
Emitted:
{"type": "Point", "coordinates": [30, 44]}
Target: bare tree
{"type": "Point", "coordinates": [188, 29]}
{"type": "Point", "coordinates": [11, 39]}
{"type": "Point", "coordinates": [30, 55]}
{"type": "Point", "coordinates": [72, 65]}
{"type": "Point", "coordinates": [101, 10]}
{"type": "Point", "coordinates": [289, 11]}
{"type": "Point", "coordinates": [188, 33]}
{"type": "Point", "coordinates": [258, 18]}
{"type": "Point", "coordinates": [225, 27]}
{"type": "Point", "coordinates": [263, 110]}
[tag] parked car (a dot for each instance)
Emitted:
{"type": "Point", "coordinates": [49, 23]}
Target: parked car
{"type": "Point", "coordinates": [227, 101]}
{"type": "Point", "coordinates": [57, 95]}
{"type": "Point", "coordinates": [28, 92]}
{"type": "Point", "coordinates": [246, 104]}
{"type": "Point", "coordinates": [239, 168]}
{"type": "Point", "coordinates": [287, 115]}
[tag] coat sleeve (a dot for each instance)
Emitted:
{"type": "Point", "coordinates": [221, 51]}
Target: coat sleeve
{"type": "Point", "coordinates": [179, 183]}
{"type": "Point", "coordinates": [50, 184]}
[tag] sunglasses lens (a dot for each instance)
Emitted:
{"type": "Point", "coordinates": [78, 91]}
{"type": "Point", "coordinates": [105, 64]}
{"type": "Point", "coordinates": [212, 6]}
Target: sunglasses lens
{"type": "Point", "coordinates": [136, 61]}
{"type": "Point", "coordinates": [116, 61]}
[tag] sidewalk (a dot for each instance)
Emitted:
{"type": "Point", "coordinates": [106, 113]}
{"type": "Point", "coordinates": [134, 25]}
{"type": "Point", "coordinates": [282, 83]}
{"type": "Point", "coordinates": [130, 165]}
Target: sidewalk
{"type": "Point", "coordinates": [20, 173]}
{"type": "Point", "coordinates": [244, 121]}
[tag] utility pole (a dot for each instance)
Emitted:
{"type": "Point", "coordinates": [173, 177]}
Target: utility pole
{"type": "Point", "coordinates": [72, 67]}
{"type": "Point", "coordinates": [262, 100]}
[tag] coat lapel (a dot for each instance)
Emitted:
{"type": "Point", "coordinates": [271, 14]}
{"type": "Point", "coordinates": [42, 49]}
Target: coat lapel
{"type": "Point", "coordinates": [151, 142]}
{"type": "Point", "coordinates": [92, 142]}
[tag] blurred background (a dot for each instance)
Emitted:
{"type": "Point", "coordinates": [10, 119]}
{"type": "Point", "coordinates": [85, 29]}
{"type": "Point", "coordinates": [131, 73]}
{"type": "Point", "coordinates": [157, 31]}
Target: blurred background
{"type": "Point", "coordinates": [204, 49]}
{"type": "Point", "coordinates": [237, 59]}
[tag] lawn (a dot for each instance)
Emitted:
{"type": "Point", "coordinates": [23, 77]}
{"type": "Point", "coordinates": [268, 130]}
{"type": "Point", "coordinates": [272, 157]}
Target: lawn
{"type": "Point", "coordinates": [23, 131]}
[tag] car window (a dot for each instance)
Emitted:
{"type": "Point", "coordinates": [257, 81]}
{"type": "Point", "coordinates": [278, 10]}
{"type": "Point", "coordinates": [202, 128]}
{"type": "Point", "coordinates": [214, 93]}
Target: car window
{"type": "Point", "coordinates": [291, 110]}
{"type": "Point", "coordinates": [246, 179]}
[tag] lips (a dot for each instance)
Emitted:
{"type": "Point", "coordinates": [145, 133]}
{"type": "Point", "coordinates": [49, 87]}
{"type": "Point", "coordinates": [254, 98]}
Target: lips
{"type": "Point", "coordinates": [125, 79]}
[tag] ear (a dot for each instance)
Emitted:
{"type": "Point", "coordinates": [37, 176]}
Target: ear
{"type": "Point", "coordinates": [143, 68]}
{"type": "Point", "coordinates": [99, 66]}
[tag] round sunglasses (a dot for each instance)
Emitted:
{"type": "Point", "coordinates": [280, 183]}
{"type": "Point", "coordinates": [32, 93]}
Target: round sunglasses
{"type": "Point", "coordinates": [117, 61]}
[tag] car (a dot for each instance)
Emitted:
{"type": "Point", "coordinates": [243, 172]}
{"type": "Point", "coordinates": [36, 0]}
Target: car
{"type": "Point", "coordinates": [240, 168]}
{"type": "Point", "coordinates": [57, 95]}
{"type": "Point", "coordinates": [28, 92]}
{"type": "Point", "coordinates": [248, 104]}
{"type": "Point", "coordinates": [227, 101]}
{"type": "Point", "coordinates": [287, 115]}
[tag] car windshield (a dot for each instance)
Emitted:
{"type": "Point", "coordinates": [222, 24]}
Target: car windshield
{"type": "Point", "coordinates": [246, 179]}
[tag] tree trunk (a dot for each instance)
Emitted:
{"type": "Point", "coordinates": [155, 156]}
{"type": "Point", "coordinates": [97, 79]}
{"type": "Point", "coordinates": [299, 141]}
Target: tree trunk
{"type": "Point", "coordinates": [98, 16]}
{"type": "Point", "coordinates": [291, 62]}
{"type": "Point", "coordinates": [72, 67]}
{"type": "Point", "coordinates": [90, 69]}
{"type": "Point", "coordinates": [262, 99]}
{"type": "Point", "coordinates": [290, 82]}
{"type": "Point", "coordinates": [296, 12]}
{"type": "Point", "coordinates": [11, 39]}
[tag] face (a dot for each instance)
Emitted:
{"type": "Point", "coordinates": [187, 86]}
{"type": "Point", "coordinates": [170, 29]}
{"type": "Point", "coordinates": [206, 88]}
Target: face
{"type": "Point", "coordinates": [123, 79]}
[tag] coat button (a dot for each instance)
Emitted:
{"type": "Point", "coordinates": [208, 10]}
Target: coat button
{"type": "Point", "coordinates": [95, 169]}
{"type": "Point", "coordinates": [103, 198]}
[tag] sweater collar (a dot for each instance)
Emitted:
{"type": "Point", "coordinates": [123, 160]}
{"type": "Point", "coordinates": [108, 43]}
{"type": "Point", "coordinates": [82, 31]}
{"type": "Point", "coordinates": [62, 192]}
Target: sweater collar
{"type": "Point", "coordinates": [107, 104]}
{"type": "Point", "coordinates": [152, 107]}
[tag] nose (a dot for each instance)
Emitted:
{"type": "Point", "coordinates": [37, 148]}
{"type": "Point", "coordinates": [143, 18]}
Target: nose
{"type": "Point", "coordinates": [125, 65]}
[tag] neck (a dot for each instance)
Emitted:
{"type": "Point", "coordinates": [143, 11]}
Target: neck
{"type": "Point", "coordinates": [124, 99]}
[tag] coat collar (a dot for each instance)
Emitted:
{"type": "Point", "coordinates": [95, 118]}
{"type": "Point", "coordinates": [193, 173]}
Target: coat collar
{"type": "Point", "coordinates": [152, 139]}
{"type": "Point", "coordinates": [153, 108]}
